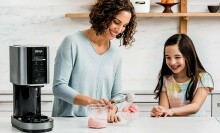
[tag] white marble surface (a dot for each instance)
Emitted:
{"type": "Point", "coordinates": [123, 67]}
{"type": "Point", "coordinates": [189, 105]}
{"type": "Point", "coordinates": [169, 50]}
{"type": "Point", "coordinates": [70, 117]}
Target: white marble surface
{"type": "Point", "coordinates": [43, 22]}
{"type": "Point", "coordinates": [140, 125]}
{"type": "Point", "coordinates": [49, 92]}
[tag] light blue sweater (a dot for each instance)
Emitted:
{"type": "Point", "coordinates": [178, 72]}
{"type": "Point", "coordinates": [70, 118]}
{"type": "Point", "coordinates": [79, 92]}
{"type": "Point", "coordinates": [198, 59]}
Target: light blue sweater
{"type": "Point", "coordinates": [80, 69]}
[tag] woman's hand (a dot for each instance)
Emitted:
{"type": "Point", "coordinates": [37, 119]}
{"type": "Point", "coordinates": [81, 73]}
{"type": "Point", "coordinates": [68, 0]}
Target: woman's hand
{"type": "Point", "coordinates": [106, 102]}
{"type": "Point", "coordinates": [112, 110]}
{"type": "Point", "coordinates": [113, 117]}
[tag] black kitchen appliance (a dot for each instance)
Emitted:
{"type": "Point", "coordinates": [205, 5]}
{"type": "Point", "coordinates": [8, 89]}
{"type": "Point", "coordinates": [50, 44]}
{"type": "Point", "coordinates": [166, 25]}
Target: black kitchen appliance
{"type": "Point", "coordinates": [29, 72]}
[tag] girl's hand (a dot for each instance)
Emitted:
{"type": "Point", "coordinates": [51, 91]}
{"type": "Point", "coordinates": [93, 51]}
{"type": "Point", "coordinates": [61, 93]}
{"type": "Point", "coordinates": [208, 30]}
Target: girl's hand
{"type": "Point", "coordinates": [168, 112]}
{"type": "Point", "coordinates": [160, 111]}
{"type": "Point", "coordinates": [157, 111]}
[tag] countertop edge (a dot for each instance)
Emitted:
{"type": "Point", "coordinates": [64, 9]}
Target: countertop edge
{"type": "Point", "coordinates": [137, 92]}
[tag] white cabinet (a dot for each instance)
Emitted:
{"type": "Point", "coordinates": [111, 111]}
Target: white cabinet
{"type": "Point", "coordinates": [208, 105]}
{"type": "Point", "coordinates": [216, 105]}
{"type": "Point", "coordinates": [146, 102]}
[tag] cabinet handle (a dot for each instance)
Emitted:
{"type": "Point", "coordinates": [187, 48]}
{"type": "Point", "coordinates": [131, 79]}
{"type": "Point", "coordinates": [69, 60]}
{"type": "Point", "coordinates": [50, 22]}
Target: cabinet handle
{"type": "Point", "coordinates": [146, 102]}
{"type": "Point", "coordinates": [47, 101]}
{"type": "Point", "coordinates": [6, 101]}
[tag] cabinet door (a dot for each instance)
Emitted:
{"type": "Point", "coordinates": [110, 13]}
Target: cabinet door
{"type": "Point", "coordinates": [5, 114]}
{"type": "Point", "coordinates": [6, 103]}
{"type": "Point", "coordinates": [145, 103]}
{"type": "Point", "coordinates": [145, 108]}
{"type": "Point", "coordinates": [47, 103]}
{"type": "Point", "coordinates": [208, 105]}
{"type": "Point", "coordinates": [215, 105]}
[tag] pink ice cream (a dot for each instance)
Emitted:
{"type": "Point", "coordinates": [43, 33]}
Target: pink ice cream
{"type": "Point", "coordinates": [131, 112]}
{"type": "Point", "coordinates": [131, 108]}
{"type": "Point", "coordinates": [96, 123]}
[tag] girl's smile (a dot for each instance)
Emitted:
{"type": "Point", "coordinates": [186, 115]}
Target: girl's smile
{"type": "Point", "coordinates": [174, 59]}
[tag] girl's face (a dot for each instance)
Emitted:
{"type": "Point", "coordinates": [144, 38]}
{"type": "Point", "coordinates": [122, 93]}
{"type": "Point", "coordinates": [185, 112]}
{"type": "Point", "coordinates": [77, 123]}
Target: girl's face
{"type": "Point", "coordinates": [118, 24]}
{"type": "Point", "coordinates": [174, 59]}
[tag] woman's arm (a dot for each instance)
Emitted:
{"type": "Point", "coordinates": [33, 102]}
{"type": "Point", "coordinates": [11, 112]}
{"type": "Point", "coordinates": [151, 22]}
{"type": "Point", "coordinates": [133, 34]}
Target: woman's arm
{"type": "Point", "coordinates": [83, 100]}
{"type": "Point", "coordinates": [62, 71]}
{"type": "Point", "coordinates": [116, 93]}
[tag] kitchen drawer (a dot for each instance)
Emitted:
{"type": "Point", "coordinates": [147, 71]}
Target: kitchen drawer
{"type": "Point", "coordinates": [6, 106]}
{"type": "Point", "coordinates": [146, 107]}
{"type": "Point", "coordinates": [141, 114]}
{"type": "Point", "coordinates": [215, 105]}
{"type": "Point", "coordinates": [208, 103]}
{"type": "Point", "coordinates": [6, 98]}
{"type": "Point", "coordinates": [6, 114]}
{"type": "Point", "coordinates": [147, 102]}
{"type": "Point", "coordinates": [147, 98]}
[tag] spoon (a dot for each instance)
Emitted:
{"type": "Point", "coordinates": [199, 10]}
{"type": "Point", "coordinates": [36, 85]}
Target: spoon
{"type": "Point", "coordinates": [129, 98]}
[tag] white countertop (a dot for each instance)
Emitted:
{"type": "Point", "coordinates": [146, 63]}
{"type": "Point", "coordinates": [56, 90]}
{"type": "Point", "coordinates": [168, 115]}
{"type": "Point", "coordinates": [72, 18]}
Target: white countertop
{"type": "Point", "coordinates": [49, 92]}
{"type": "Point", "coordinates": [140, 125]}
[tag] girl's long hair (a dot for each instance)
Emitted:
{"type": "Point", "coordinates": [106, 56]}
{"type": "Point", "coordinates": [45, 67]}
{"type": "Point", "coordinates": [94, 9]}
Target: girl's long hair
{"type": "Point", "coordinates": [193, 64]}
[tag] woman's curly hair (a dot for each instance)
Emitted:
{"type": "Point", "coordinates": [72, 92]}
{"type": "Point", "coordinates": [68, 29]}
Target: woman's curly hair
{"type": "Point", "coordinates": [104, 12]}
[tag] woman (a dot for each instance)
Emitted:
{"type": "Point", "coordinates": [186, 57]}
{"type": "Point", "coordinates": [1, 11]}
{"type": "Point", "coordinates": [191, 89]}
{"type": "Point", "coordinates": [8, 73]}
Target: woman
{"type": "Point", "coordinates": [88, 66]}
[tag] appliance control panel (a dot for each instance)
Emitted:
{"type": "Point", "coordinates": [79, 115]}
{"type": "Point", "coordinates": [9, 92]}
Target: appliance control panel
{"type": "Point", "coordinates": [37, 65]}
{"type": "Point", "coordinates": [29, 65]}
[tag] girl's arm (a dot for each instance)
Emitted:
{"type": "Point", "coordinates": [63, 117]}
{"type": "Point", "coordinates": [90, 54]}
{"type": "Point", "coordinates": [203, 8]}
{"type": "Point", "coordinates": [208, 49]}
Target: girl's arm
{"type": "Point", "coordinates": [160, 110]}
{"type": "Point", "coordinates": [193, 107]}
{"type": "Point", "coordinates": [164, 100]}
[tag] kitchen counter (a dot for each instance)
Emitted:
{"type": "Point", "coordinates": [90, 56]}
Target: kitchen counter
{"type": "Point", "coordinates": [140, 125]}
{"type": "Point", "coordinates": [146, 92]}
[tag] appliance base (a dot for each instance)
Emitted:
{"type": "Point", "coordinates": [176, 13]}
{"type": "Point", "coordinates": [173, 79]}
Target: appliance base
{"type": "Point", "coordinates": [32, 127]}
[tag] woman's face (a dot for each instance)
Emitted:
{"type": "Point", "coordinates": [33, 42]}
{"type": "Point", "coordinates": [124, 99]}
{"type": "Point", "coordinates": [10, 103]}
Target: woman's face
{"type": "Point", "coordinates": [175, 60]}
{"type": "Point", "coordinates": [118, 24]}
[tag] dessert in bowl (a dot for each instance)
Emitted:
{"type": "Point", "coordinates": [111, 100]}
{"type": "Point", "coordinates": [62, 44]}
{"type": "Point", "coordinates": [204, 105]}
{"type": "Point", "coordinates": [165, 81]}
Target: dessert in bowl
{"type": "Point", "coordinates": [130, 113]}
{"type": "Point", "coordinates": [97, 116]}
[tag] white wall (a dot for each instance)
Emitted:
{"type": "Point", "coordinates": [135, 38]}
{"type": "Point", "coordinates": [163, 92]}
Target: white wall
{"type": "Point", "coordinates": [43, 22]}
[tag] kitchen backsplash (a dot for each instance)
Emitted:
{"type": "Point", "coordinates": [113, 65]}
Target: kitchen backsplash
{"type": "Point", "coordinates": [42, 22]}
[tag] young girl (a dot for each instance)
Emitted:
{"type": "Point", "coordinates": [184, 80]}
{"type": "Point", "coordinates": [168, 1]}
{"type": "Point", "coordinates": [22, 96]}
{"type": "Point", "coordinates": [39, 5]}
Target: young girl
{"type": "Point", "coordinates": [183, 82]}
